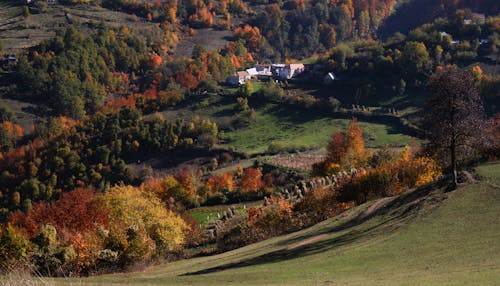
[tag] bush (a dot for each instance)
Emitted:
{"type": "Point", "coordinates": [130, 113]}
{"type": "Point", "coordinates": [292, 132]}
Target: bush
{"type": "Point", "coordinates": [317, 205]}
{"type": "Point", "coordinates": [140, 226]}
{"type": "Point", "coordinates": [14, 249]}
{"type": "Point", "coordinates": [26, 11]}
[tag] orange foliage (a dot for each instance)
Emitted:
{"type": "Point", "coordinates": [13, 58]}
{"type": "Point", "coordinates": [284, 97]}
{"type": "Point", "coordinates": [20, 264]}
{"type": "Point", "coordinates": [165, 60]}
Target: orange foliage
{"type": "Point", "coordinates": [251, 180]}
{"type": "Point", "coordinates": [9, 127]}
{"type": "Point", "coordinates": [155, 60]}
{"type": "Point", "coordinates": [18, 131]}
{"type": "Point", "coordinates": [219, 183]}
{"type": "Point", "coordinates": [119, 102]}
{"type": "Point", "coordinates": [187, 180]}
{"type": "Point", "coordinates": [251, 35]}
{"type": "Point", "coordinates": [319, 204]}
{"type": "Point", "coordinates": [13, 129]}
{"type": "Point", "coordinates": [344, 151]}
{"type": "Point", "coordinates": [249, 58]}
{"type": "Point", "coordinates": [202, 17]}
{"type": "Point", "coordinates": [355, 146]}
{"type": "Point", "coordinates": [270, 220]}
{"type": "Point", "coordinates": [236, 61]}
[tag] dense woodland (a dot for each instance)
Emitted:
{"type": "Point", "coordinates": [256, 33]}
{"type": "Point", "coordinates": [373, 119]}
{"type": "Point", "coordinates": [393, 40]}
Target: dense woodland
{"type": "Point", "coordinates": [69, 202]}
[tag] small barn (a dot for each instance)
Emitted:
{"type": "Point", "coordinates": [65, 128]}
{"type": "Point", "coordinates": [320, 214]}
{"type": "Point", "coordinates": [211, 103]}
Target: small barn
{"type": "Point", "coordinates": [329, 78]}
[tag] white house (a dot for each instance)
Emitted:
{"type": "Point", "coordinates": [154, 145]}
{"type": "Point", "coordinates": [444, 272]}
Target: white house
{"type": "Point", "coordinates": [264, 71]}
{"type": "Point", "coordinates": [238, 78]}
{"type": "Point", "coordinates": [291, 70]}
{"type": "Point", "coordinates": [252, 72]}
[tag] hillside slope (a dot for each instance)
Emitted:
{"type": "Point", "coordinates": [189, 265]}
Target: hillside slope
{"type": "Point", "coordinates": [413, 13]}
{"type": "Point", "coordinates": [424, 237]}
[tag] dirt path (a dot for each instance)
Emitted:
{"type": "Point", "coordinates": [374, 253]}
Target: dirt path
{"type": "Point", "coordinates": [470, 177]}
{"type": "Point", "coordinates": [366, 214]}
{"type": "Point", "coordinates": [376, 206]}
{"type": "Point", "coordinates": [307, 241]}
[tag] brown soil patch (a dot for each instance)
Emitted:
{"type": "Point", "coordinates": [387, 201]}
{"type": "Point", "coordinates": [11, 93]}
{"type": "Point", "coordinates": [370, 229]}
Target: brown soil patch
{"type": "Point", "coordinates": [376, 206]}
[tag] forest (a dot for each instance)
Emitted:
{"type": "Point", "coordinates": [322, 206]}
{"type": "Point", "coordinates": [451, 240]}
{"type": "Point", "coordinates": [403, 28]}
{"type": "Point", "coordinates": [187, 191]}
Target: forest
{"type": "Point", "coordinates": [136, 156]}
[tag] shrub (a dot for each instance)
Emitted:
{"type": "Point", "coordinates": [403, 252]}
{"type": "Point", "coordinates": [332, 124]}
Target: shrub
{"type": "Point", "coordinates": [14, 248]}
{"type": "Point", "coordinates": [317, 205]}
{"type": "Point", "coordinates": [140, 226]}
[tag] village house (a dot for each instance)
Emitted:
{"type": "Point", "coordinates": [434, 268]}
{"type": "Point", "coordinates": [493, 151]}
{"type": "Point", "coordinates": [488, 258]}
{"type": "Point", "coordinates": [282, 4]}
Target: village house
{"type": "Point", "coordinates": [476, 18]}
{"type": "Point", "coordinates": [238, 78]}
{"type": "Point", "coordinates": [252, 72]}
{"type": "Point", "coordinates": [265, 72]}
{"type": "Point", "coordinates": [276, 69]}
{"type": "Point", "coordinates": [293, 70]}
{"type": "Point", "coordinates": [283, 71]}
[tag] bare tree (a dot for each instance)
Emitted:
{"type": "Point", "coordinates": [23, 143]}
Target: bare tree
{"type": "Point", "coordinates": [454, 120]}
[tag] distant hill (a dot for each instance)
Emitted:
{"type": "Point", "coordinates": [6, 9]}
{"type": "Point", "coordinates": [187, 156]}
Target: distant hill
{"type": "Point", "coordinates": [410, 14]}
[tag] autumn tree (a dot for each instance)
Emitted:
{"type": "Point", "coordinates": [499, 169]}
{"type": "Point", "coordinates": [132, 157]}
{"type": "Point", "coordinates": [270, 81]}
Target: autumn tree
{"type": "Point", "coordinates": [336, 148]}
{"type": "Point", "coordinates": [454, 122]}
{"type": "Point", "coordinates": [251, 180]}
{"type": "Point", "coordinates": [355, 146]}
{"type": "Point", "coordinates": [140, 225]}
{"type": "Point", "coordinates": [220, 183]}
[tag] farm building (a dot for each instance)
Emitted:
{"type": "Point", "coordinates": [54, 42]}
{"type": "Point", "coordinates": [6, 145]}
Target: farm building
{"type": "Point", "coordinates": [238, 78]}
{"type": "Point", "coordinates": [289, 71]}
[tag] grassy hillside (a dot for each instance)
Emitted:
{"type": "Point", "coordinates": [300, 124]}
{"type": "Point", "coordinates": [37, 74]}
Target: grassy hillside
{"type": "Point", "coordinates": [18, 32]}
{"type": "Point", "coordinates": [424, 237]}
{"type": "Point", "coordinates": [286, 125]}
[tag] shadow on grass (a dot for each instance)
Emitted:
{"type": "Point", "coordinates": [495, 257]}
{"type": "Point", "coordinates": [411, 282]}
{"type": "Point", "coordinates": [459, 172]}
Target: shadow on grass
{"type": "Point", "coordinates": [398, 211]}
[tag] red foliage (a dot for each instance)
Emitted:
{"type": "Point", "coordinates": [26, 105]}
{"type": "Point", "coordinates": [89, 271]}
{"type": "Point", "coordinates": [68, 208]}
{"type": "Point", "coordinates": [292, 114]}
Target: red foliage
{"type": "Point", "coordinates": [190, 77]}
{"type": "Point", "coordinates": [336, 148]}
{"type": "Point", "coordinates": [75, 212]}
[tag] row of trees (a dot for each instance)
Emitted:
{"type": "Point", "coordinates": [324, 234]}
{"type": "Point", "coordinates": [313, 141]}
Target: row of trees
{"type": "Point", "coordinates": [188, 189]}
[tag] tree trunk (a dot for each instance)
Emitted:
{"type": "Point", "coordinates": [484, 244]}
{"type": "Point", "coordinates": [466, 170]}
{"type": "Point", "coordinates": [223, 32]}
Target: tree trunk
{"type": "Point", "coordinates": [454, 165]}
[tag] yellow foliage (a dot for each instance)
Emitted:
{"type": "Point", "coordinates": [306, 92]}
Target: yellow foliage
{"type": "Point", "coordinates": [356, 153]}
{"type": "Point", "coordinates": [140, 223]}
{"type": "Point", "coordinates": [414, 171]}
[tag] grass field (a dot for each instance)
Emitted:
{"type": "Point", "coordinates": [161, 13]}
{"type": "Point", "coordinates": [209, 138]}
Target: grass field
{"type": "Point", "coordinates": [286, 126]}
{"type": "Point", "coordinates": [424, 237]}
